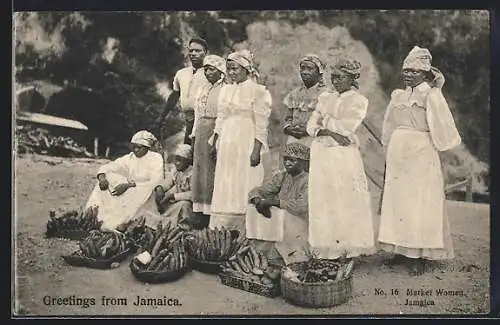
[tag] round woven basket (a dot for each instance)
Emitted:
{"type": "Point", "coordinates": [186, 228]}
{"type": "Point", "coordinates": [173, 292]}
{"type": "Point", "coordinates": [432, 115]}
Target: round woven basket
{"type": "Point", "coordinates": [316, 294]}
{"type": "Point", "coordinates": [206, 266]}
{"type": "Point", "coordinates": [78, 259]}
{"type": "Point", "coordinates": [155, 276]}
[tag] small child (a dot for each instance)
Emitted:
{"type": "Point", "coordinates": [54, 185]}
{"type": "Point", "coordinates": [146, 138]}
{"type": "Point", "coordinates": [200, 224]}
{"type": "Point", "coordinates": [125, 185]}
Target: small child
{"type": "Point", "coordinates": [173, 196]}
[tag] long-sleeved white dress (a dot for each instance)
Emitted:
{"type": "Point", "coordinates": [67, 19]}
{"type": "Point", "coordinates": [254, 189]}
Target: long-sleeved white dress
{"type": "Point", "coordinates": [417, 124]}
{"type": "Point", "coordinates": [340, 215]}
{"type": "Point", "coordinates": [243, 111]}
{"type": "Point", "coordinates": [146, 172]}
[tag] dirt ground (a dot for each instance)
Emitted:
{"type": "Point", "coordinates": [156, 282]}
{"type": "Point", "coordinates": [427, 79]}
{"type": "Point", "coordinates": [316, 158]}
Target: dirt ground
{"type": "Point", "coordinates": [43, 183]}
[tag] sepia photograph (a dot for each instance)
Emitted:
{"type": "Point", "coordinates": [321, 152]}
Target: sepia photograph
{"type": "Point", "coordinates": [250, 163]}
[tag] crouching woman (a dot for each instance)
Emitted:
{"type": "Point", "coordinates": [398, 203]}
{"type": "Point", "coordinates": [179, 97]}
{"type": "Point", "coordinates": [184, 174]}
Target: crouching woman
{"type": "Point", "coordinates": [277, 217]}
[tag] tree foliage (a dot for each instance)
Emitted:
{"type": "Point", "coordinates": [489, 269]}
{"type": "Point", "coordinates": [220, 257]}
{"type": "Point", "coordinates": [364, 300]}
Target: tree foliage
{"type": "Point", "coordinates": [149, 49]}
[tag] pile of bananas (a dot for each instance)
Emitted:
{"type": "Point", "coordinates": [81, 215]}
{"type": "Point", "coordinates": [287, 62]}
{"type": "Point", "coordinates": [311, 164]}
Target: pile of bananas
{"type": "Point", "coordinates": [173, 258]}
{"type": "Point", "coordinates": [212, 245]}
{"type": "Point", "coordinates": [103, 245]}
{"type": "Point", "coordinates": [164, 236]}
{"type": "Point", "coordinates": [73, 220]}
{"type": "Point", "coordinates": [137, 231]}
{"type": "Point", "coordinates": [249, 264]}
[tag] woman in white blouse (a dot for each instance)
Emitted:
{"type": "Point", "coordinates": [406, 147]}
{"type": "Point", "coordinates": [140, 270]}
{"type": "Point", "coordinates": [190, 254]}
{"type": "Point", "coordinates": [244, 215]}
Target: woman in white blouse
{"type": "Point", "coordinates": [240, 136]}
{"type": "Point", "coordinates": [340, 215]}
{"type": "Point", "coordinates": [417, 124]}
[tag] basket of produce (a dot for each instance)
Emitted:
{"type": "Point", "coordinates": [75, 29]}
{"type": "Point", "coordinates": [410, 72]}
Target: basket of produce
{"type": "Point", "coordinates": [168, 264]}
{"type": "Point", "coordinates": [73, 224]}
{"type": "Point", "coordinates": [155, 240]}
{"type": "Point", "coordinates": [251, 271]}
{"type": "Point", "coordinates": [209, 248]}
{"type": "Point", "coordinates": [100, 250]}
{"type": "Point", "coordinates": [317, 282]}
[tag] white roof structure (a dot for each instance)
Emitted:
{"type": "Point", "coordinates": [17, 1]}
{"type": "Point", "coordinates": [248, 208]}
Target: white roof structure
{"type": "Point", "coordinates": [50, 120]}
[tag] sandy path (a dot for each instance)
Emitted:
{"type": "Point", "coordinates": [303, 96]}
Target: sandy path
{"type": "Point", "coordinates": [44, 183]}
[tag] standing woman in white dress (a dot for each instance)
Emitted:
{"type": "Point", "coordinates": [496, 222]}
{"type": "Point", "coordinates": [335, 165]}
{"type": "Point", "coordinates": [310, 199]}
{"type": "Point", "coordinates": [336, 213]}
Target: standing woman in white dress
{"type": "Point", "coordinates": [340, 212]}
{"type": "Point", "coordinates": [240, 136]}
{"type": "Point", "coordinates": [417, 124]}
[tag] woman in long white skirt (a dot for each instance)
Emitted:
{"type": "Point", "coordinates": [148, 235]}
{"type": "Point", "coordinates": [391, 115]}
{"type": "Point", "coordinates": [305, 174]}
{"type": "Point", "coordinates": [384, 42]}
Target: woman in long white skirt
{"type": "Point", "coordinates": [125, 185]}
{"type": "Point", "coordinates": [417, 124]}
{"type": "Point", "coordinates": [340, 215]}
{"type": "Point", "coordinates": [240, 135]}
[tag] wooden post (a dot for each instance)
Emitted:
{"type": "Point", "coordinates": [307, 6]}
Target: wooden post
{"type": "Point", "coordinates": [96, 147]}
{"type": "Point", "coordinates": [468, 190]}
{"type": "Point", "coordinates": [107, 152]}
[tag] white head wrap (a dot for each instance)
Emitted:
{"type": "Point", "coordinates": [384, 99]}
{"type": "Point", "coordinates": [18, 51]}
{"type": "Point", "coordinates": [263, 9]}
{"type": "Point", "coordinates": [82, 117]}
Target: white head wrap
{"type": "Point", "coordinates": [245, 58]}
{"type": "Point", "coordinates": [215, 61]}
{"type": "Point", "coordinates": [421, 59]}
{"type": "Point", "coordinates": [144, 138]}
{"type": "Point", "coordinates": [418, 59]}
{"type": "Point", "coordinates": [183, 150]}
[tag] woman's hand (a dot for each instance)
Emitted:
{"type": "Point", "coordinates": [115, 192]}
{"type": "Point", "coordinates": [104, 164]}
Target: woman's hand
{"type": "Point", "coordinates": [299, 131]}
{"type": "Point", "coordinates": [159, 193]}
{"type": "Point", "coordinates": [255, 156]}
{"type": "Point", "coordinates": [103, 182]}
{"type": "Point", "coordinates": [120, 189]}
{"type": "Point", "coordinates": [342, 140]}
{"type": "Point", "coordinates": [213, 148]}
{"type": "Point", "coordinates": [169, 197]}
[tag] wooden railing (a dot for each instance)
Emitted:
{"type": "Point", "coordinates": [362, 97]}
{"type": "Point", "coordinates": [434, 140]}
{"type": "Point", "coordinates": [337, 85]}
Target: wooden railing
{"type": "Point", "coordinates": [467, 183]}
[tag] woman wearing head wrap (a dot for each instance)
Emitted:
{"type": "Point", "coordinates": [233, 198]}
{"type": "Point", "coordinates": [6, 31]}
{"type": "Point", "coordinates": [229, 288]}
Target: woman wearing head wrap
{"type": "Point", "coordinates": [278, 213]}
{"type": "Point", "coordinates": [417, 124]}
{"type": "Point", "coordinates": [204, 124]}
{"type": "Point", "coordinates": [240, 134]}
{"type": "Point", "coordinates": [174, 195]}
{"type": "Point", "coordinates": [125, 185]}
{"type": "Point", "coordinates": [302, 100]}
{"type": "Point", "coordinates": [340, 206]}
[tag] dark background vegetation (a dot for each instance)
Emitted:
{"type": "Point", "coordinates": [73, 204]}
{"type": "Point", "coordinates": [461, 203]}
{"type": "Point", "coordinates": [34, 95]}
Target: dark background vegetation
{"type": "Point", "coordinates": [119, 97]}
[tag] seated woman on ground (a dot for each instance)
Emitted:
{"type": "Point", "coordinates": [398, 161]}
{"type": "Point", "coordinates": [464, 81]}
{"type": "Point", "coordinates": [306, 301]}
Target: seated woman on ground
{"type": "Point", "coordinates": [125, 185]}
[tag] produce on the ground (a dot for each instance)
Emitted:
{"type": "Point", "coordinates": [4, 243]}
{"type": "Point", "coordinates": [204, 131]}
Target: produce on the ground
{"type": "Point", "coordinates": [320, 270]}
{"type": "Point", "coordinates": [172, 258]}
{"type": "Point", "coordinates": [212, 245]}
{"type": "Point", "coordinates": [39, 140]}
{"type": "Point", "coordinates": [137, 231]}
{"type": "Point", "coordinates": [103, 245]}
{"type": "Point", "coordinates": [248, 263]}
{"type": "Point", "coordinates": [164, 236]}
{"type": "Point", "coordinates": [73, 220]}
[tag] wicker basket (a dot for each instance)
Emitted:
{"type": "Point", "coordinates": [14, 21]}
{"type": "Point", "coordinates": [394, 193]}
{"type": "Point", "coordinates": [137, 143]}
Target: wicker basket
{"type": "Point", "coordinates": [258, 288]}
{"type": "Point", "coordinates": [155, 276]}
{"type": "Point", "coordinates": [318, 294]}
{"type": "Point", "coordinates": [205, 266]}
{"type": "Point", "coordinates": [77, 259]}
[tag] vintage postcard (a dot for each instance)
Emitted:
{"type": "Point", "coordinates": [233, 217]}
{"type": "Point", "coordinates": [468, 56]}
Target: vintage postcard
{"type": "Point", "coordinates": [200, 163]}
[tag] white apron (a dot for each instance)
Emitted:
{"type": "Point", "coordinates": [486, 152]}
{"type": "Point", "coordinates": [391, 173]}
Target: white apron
{"type": "Point", "coordinates": [287, 231]}
{"type": "Point", "coordinates": [340, 212]}
{"type": "Point", "coordinates": [234, 177]}
{"type": "Point", "coordinates": [412, 206]}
